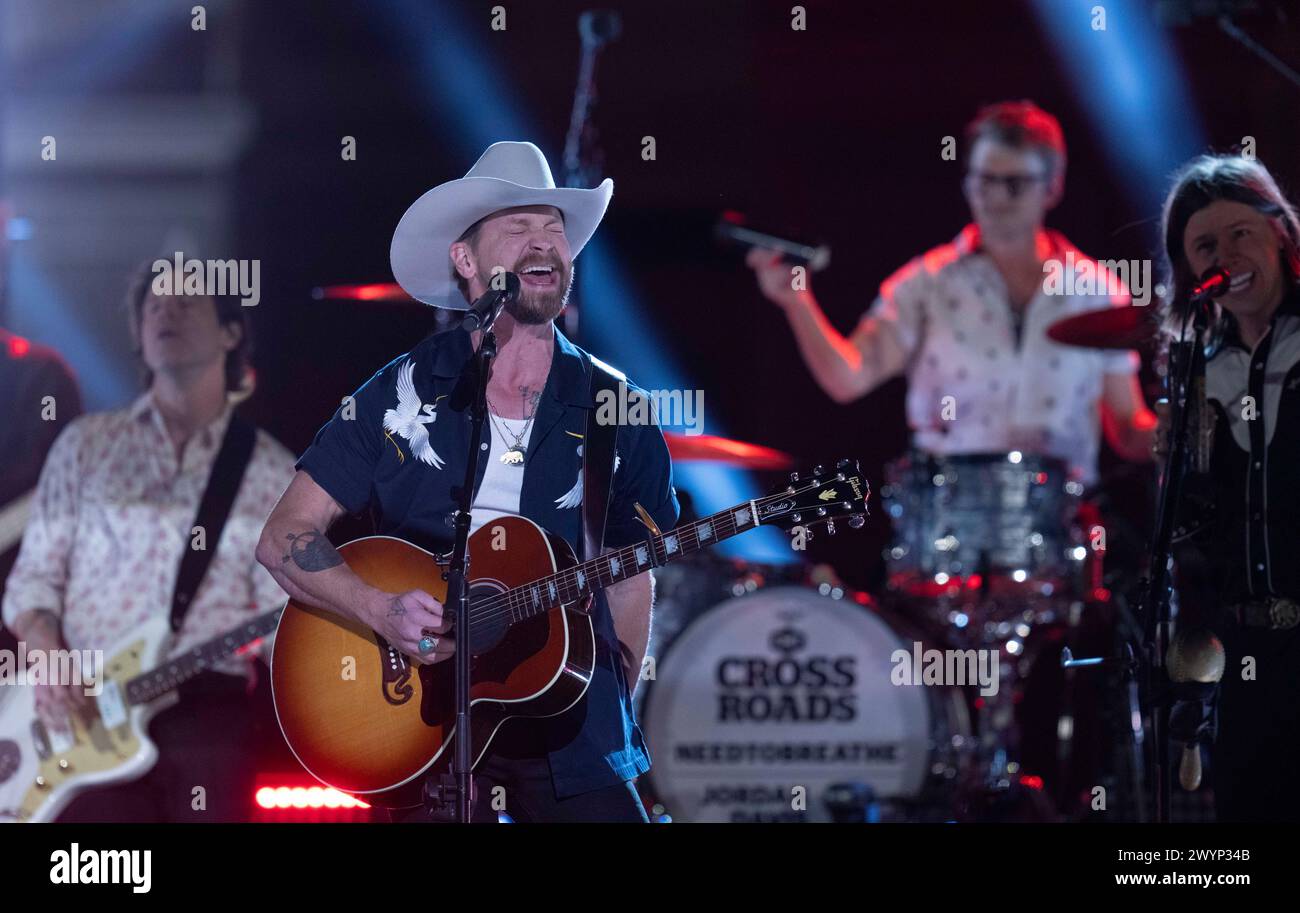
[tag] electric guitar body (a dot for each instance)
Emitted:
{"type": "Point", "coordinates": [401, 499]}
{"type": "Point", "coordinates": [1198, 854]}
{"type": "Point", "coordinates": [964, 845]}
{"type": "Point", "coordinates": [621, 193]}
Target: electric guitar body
{"type": "Point", "coordinates": [44, 766]}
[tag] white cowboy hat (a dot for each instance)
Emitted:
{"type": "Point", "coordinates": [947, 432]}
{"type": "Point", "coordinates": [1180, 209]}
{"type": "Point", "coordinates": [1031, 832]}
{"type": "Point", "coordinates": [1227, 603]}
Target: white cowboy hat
{"type": "Point", "coordinates": [506, 175]}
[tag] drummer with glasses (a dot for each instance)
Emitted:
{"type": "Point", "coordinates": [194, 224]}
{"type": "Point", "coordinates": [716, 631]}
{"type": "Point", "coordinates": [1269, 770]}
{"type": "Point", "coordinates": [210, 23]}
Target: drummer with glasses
{"type": "Point", "coordinates": [966, 321]}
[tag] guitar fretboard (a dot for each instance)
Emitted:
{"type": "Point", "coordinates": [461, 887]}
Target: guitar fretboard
{"type": "Point", "coordinates": [575, 583]}
{"type": "Point", "coordinates": [147, 686]}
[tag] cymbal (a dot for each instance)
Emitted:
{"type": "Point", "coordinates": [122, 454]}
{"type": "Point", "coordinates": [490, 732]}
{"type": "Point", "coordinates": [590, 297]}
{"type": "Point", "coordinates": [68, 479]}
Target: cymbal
{"type": "Point", "coordinates": [373, 291]}
{"type": "Point", "coordinates": [700, 447]}
{"type": "Point", "coordinates": [1127, 327]}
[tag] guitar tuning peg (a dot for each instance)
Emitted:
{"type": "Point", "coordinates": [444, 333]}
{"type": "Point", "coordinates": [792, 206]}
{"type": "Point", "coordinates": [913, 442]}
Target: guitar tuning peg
{"type": "Point", "coordinates": [830, 527]}
{"type": "Point", "coordinates": [857, 521]}
{"type": "Point", "coordinates": [843, 464]}
{"type": "Point", "coordinates": [819, 469]}
{"type": "Point", "coordinates": [794, 477]}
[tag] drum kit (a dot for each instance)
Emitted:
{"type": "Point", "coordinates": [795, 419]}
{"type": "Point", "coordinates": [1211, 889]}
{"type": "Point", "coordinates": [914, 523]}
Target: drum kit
{"type": "Point", "coordinates": [771, 692]}
{"type": "Point", "coordinates": [774, 693]}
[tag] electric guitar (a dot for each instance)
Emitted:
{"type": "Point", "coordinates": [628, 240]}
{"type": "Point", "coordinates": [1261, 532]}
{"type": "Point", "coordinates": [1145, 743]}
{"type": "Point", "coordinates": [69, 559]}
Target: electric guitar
{"type": "Point", "coordinates": [364, 719]}
{"type": "Point", "coordinates": [42, 768]}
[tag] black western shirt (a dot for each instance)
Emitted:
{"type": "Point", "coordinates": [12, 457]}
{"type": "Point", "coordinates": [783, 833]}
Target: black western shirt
{"type": "Point", "coordinates": [597, 742]}
{"type": "Point", "coordinates": [1255, 395]}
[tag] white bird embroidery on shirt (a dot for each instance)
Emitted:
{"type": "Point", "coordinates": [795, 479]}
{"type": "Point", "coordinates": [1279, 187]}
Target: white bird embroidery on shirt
{"type": "Point", "coordinates": [573, 497]}
{"type": "Point", "coordinates": [411, 416]}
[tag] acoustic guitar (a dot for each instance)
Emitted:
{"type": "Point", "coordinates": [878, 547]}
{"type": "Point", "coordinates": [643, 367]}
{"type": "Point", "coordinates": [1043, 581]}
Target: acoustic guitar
{"type": "Point", "coordinates": [366, 720]}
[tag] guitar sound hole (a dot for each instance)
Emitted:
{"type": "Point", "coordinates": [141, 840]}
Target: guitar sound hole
{"type": "Point", "coordinates": [490, 623]}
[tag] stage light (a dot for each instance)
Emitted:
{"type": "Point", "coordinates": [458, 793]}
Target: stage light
{"type": "Point", "coordinates": [39, 309]}
{"type": "Point", "coordinates": [1132, 87]}
{"type": "Point", "coordinates": [299, 797]}
{"type": "Point", "coordinates": [474, 108]}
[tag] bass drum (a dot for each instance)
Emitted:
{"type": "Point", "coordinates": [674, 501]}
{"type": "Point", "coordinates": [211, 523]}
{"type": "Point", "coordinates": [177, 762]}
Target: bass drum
{"type": "Point", "coordinates": [765, 702]}
{"type": "Point", "coordinates": [686, 589]}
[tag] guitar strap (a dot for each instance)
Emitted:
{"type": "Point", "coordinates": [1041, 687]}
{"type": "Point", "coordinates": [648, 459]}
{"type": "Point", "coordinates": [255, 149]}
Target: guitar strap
{"type": "Point", "coordinates": [597, 462]}
{"type": "Point", "coordinates": [214, 509]}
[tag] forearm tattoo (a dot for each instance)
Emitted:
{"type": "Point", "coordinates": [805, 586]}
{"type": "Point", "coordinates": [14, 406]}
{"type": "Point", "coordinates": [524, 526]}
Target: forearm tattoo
{"type": "Point", "coordinates": [312, 551]}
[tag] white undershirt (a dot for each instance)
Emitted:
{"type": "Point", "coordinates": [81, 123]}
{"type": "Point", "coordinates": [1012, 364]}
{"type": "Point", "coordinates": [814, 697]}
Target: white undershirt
{"type": "Point", "coordinates": [498, 493]}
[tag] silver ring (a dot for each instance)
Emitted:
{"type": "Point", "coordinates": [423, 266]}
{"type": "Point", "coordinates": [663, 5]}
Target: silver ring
{"type": "Point", "coordinates": [427, 644]}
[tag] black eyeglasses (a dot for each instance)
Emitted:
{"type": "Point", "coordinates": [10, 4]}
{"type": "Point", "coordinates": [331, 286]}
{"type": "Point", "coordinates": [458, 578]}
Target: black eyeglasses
{"type": "Point", "coordinates": [1015, 184]}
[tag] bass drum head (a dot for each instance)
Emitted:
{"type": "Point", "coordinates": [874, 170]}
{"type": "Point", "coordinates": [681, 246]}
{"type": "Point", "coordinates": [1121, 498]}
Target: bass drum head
{"type": "Point", "coordinates": [784, 689]}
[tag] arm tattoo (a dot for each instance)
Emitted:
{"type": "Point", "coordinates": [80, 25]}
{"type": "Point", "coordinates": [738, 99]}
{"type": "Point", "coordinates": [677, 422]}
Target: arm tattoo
{"type": "Point", "coordinates": [396, 610]}
{"type": "Point", "coordinates": [312, 551]}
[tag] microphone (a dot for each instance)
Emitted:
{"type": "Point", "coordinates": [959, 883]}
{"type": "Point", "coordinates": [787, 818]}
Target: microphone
{"type": "Point", "coordinates": [1214, 282]}
{"type": "Point", "coordinates": [1194, 656]}
{"type": "Point", "coordinates": [482, 313]}
{"type": "Point", "coordinates": [729, 230]}
{"type": "Point", "coordinates": [599, 27]}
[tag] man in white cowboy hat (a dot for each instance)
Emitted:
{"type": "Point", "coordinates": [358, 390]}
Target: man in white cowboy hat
{"type": "Point", "coordinates": [402, 453]}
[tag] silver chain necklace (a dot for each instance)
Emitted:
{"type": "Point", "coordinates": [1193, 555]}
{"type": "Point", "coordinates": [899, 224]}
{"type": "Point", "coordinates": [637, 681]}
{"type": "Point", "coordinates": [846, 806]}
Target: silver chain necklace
{"type": "Point", "coordinates": [514, 456]}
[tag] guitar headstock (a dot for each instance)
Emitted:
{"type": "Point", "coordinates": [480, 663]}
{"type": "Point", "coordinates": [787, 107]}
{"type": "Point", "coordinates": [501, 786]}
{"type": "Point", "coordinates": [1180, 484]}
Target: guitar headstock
{"type": "Point", "coordinates": [818, 497]}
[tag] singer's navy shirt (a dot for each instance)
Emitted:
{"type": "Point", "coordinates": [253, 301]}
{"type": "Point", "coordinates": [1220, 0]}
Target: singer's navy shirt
{"type": "Point", "coordinates": [596, 743]}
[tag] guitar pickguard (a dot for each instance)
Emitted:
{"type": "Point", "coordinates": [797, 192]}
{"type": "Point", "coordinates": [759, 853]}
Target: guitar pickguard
{"type": "Point", "coordinates": [396, 681]}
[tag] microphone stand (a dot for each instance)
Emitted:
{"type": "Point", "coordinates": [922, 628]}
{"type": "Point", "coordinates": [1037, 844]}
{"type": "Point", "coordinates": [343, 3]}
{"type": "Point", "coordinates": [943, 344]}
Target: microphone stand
{"type": "Point", "coordinates": [455, 790]}
{"type": "Point", "coordinates": [1186, 366]}
{"type": "Point", "coordinates": [582, 156]}
{"type": "Point", "coordinates": [1142, 656]}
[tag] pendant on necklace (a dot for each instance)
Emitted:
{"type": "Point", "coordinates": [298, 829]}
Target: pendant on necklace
{"type": "Point", "coordinates": [514, 456]}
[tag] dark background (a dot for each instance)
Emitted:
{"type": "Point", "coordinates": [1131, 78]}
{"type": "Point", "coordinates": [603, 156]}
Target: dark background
{"type": "Point", "coordinates": [832, 134]}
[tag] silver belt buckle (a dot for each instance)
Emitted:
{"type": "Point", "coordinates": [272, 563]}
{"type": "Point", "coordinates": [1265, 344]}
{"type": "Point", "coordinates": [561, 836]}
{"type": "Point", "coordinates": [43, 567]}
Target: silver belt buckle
{"type": "Point", "coordinates": [1284, 613]}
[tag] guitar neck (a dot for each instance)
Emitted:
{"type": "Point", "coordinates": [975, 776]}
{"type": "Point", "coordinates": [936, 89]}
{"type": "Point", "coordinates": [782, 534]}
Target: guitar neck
{"type": "Point", "coordinates": [147, 686]}
{"type": "Point", "coordinates": [574, 583]}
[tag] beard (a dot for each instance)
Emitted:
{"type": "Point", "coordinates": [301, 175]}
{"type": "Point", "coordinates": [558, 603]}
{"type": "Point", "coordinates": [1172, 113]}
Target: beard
{"type": "Point", "coordinates": [537, 306]}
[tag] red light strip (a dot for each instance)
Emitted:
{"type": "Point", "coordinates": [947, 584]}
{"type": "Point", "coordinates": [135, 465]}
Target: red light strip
{"type": "Point", "coordinates": [279, 797]}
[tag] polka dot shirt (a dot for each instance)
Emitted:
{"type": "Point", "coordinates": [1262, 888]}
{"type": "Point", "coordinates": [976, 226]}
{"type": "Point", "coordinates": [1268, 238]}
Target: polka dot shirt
{"type": "Point", "coordinates": [112, 516]}
{"type": "Point", "coordinates": [972, 388]}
